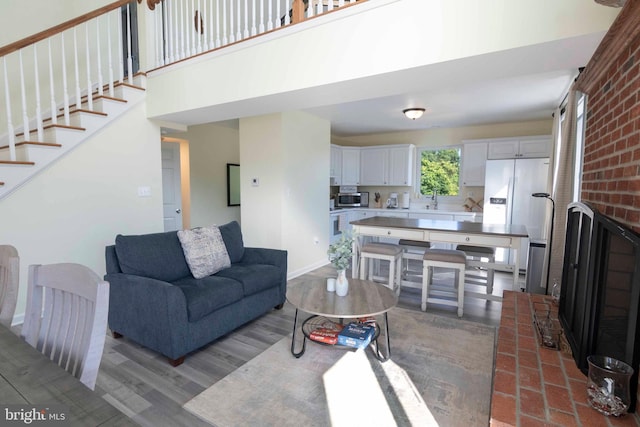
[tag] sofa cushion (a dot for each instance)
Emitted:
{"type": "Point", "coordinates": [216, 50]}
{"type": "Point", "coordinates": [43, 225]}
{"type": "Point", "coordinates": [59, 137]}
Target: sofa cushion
{"type": "Point", "coordinates": [254, 277]}
{"type": "Point", "coordinates": [232, 236]}
{"type": "Point", "coordinates": [158, 256]}
{"type": "Point", "coordinates": [208, 294]}
{"type": "Point", "coordinates": [204, 250]}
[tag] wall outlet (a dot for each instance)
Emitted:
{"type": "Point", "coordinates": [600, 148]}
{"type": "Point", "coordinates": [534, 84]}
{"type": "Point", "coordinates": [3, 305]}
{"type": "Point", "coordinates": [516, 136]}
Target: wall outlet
{"type": "Point", "coordinates": [470, 194]}
{"type": "Point", "coordinates": [316, 241]}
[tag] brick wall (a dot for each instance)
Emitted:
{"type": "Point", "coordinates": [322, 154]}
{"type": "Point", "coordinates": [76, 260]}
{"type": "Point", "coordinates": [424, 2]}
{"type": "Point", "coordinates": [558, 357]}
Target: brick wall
{"type": "Point", "coordinates": [611, 170]}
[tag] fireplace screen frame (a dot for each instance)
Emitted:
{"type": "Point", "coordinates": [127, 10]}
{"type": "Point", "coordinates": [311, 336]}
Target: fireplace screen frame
{"type": "Point", "coordinates": [588, 273]}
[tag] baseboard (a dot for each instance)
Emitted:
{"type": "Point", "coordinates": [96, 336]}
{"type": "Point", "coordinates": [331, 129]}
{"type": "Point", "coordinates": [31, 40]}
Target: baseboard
{"type": "Point", "coordinates": [18, 319]}
{"type": "Point", "coordinates": [307, 269]}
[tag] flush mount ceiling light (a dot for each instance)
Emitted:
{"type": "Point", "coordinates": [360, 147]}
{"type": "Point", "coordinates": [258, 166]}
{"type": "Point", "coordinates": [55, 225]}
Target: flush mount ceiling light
{"type": "Point", "coordinates": [413, 113]}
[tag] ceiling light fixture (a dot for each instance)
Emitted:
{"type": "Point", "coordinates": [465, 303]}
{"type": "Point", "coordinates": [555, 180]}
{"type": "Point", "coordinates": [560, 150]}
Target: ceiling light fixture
{"type": "Point", "coordinates": [413, 113]}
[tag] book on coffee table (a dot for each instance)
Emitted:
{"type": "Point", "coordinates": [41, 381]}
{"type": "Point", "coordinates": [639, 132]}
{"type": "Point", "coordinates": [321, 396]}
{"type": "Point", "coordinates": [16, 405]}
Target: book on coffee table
{"type": "Point", "coordinates": [356, 335]}
{"type": "Point", "coordinates": [325, 335]}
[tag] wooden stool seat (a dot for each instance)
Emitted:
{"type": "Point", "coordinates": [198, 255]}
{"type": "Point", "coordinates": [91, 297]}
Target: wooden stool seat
{"type": "Point", "coordinates": [444, 258]}
{"type": "Point", "coordinates": [385, 252]}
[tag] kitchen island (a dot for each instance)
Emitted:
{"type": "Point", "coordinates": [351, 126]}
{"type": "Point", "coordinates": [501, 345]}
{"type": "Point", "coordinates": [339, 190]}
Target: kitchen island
{"type": "Point", "coordinates": [441, 231]}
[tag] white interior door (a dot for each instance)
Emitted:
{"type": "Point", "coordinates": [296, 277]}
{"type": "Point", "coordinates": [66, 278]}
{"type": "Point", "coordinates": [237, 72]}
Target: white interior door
{"type": "Point", "coordinates": [171, 186]}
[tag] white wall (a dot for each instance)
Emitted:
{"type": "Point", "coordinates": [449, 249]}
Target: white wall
{"type": "Point", "coordinates": [211, 147]}
{"type": "Point", "coordinates": [288, 153]}
{"type": "Point", "coordinates": [73, 209]}
{"type": "Point", "coordinates": [19, 18]}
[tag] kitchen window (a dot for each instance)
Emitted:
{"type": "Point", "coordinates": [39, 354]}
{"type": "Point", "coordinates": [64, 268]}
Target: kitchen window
{"type": "Point", "coordinates": [438, 170]}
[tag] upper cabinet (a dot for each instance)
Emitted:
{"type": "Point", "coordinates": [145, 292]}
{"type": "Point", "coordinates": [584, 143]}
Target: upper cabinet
{"type": "Point", "coordinates": [401, 165]}
{"type": "Point", "coordinates": [520, 148]}
{"type": "Point", "coordinates": [335, 169]}
{"type": "Point", "coordinates": [387, 165]}
{"type": "Point", "coordinates": [474, 163]}
{"type": "Point", "coordinates": [350, 166]}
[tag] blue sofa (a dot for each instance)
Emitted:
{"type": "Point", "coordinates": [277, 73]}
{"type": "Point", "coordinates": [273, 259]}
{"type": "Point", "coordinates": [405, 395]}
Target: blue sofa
{"type": "Point", "coordinates": [155, 300]}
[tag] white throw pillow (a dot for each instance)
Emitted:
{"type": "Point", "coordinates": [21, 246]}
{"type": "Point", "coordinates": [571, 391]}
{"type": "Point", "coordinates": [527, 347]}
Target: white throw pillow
{"type": "Point", "coordinates": [204, 250]}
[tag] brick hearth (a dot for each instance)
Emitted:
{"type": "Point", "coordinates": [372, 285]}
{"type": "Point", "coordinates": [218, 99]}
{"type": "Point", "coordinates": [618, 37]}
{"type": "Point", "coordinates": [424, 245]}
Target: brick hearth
{"type": "Point", "coordinates": [534, 385]}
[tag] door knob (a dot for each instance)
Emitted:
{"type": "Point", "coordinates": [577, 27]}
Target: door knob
{"type": "Point", "coordinates": [178, 210]}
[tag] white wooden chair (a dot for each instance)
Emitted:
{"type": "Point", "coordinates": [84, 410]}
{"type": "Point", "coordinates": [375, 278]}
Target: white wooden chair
{"type": "Point", "coordinates": [9, 275]}
{"type": "Point", "coordinates": [66, 317]}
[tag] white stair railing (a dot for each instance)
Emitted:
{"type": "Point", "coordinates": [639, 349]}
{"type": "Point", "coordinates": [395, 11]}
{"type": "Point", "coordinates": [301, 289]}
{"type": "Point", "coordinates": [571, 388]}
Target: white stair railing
{"type": "Point", "coordinates": [38, 71]}
{"type": "Point", "coordinates": [184, 28]}
{"type": "Point", "coordinates": [51, 67]}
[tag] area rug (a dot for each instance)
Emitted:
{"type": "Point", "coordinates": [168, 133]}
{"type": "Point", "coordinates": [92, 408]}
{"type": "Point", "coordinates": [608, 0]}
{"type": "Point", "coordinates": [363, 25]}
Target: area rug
{"type": "Point", "coordinates": [439, 374]}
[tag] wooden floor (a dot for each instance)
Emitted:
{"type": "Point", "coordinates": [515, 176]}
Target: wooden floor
{"type": "Point", "coordinates": [143, 385]}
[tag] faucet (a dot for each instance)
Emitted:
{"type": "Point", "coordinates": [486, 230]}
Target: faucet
{"type": "Point", "coordinates": [434, 197]}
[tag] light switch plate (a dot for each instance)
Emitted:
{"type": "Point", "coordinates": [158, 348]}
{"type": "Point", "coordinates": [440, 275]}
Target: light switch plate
{"type": "Point", "coordinates": [144, 191]}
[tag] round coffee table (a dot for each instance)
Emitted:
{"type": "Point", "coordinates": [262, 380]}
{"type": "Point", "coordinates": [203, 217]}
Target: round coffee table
{"type": "Point", "coordinates": [365, 298]}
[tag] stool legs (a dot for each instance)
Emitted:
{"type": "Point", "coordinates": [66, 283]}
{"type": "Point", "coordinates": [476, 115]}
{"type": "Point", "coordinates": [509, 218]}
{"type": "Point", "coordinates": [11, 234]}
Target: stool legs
{"type": "Point", "coordinates": [395, 269]}
{"type": "Point", "coordinates": [427, 281]}
{"type": "Point", "coordinates": [460, 274]}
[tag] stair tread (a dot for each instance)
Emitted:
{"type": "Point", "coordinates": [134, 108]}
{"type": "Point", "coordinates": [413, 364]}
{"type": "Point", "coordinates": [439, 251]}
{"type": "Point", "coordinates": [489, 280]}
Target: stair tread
{"type": "Point", "coordinates": [81, 110]}
{"type": "Point", "coordinates": [116, 84]}
{"type": "Point", "coordinates": [43, 144]}
{"type": "Point", "coordinates": [53, 126]}
{"type": "Point", "coordinates": [16, 162]}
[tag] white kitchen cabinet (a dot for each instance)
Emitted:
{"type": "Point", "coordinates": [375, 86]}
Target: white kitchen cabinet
{"type": "Point", "coordinates": [387, 165]}
{"type": "Point", "coordinates": [516, 148]}
{"type": "Point", "coordinates": [474, 162]}
{"type": "Point", "coordinates": [401, 165]}
{"type": "Point", "coordinates": [374, 163]}
{"type": "Point", "coordinates": [350, 166]}
{"type": "Point", "coordinates": [335, 170]}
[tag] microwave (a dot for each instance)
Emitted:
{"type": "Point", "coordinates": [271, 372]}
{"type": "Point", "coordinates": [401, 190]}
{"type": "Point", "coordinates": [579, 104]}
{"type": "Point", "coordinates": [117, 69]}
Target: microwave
{"type": "Point", "coordinates": [352, 200]}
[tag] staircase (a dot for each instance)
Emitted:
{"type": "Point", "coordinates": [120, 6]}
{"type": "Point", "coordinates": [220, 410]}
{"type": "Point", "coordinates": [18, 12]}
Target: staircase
{"type": "Point", "coordinates": [32, 157]}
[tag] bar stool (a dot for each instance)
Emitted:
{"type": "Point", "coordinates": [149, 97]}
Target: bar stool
{"type": "Point", "coordinates": [444, 258]}
{"type": "Point", "coordinates": [479, 252]}
{"type": "Point", "coordinates": [385, 252]}
{"type": "Point", "coordinates": [412, 250]}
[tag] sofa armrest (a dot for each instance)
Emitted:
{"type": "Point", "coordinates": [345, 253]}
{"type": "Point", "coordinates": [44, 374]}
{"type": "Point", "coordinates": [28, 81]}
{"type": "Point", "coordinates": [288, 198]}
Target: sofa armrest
{"type": "Point", "coordinates": [276, 257]}
{"type": "Point", "coordinates": [149, 311]}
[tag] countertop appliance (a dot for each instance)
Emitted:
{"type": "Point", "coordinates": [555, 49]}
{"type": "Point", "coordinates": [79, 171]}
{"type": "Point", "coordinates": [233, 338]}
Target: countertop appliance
{"type": "Point", "coordinates": [350, 197]}
{"type": "Point", "coordinates": [404, 200]}
{"type": "Point", "coordinates": [508, 186]}
{"type": "Point", "coordinates": [392, 201]}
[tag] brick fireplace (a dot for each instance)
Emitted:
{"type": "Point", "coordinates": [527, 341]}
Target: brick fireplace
{"type": "Point", "coordinates": [534, 385]}
{"type": "Point", "coordinates": [611, 79]}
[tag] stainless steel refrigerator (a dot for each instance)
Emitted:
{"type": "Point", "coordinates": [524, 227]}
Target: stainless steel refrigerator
{"type": "Point", "coordinates": [508, 186]}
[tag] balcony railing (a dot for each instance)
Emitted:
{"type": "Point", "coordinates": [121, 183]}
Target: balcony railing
{"type": "Point", "coordinates": [185, 28]}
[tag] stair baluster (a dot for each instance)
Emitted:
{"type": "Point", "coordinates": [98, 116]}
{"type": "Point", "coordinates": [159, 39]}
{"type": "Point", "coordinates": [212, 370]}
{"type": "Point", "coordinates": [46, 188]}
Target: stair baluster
{"type": "Point", "coordinates": [10, 130]}
{"type": "Point", "coordinates": [54, 115]}
{"type": "Point", "coordinates": [23, 96]}
{"type": "Point", "coordinates": [65, 88]}
{"type": "Point", "coordinates": [39, 132]}
{"type": "Point", "coordinates": [99, 61]}
{"type": "Point", "coordinates": [88, 60]}
{"type": "Point", "coordinates": [129, 57]}
{"type": "Point", "coordinates": [77, 69]}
